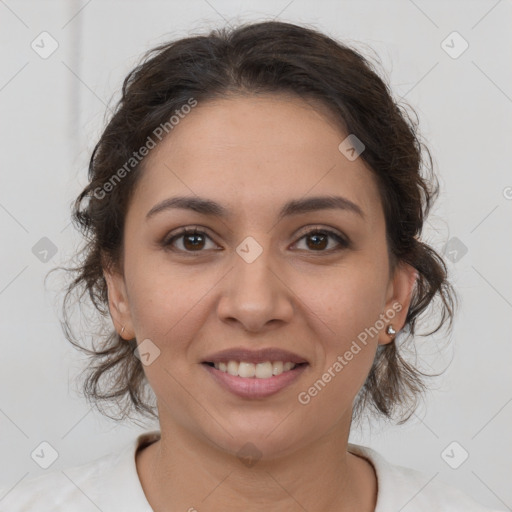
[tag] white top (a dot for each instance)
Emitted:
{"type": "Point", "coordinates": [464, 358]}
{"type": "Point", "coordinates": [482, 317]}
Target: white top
{"type": "Point", "coordinates": [111, 484]}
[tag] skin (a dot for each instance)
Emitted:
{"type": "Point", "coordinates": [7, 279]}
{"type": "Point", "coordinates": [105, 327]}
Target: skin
{"type": "Point", "coordinates": [252, 154]}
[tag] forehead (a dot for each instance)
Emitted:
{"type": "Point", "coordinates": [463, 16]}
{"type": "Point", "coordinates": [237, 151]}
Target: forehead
{"type": "Point", "coordinates": [250, 153]}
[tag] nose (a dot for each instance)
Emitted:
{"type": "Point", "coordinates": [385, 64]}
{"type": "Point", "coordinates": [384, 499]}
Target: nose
{"type": "Point", "coordinates": [256, 295]}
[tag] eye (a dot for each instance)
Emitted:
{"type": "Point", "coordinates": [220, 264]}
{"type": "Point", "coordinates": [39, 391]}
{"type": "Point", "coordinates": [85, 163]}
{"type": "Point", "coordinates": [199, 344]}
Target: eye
{"type": "Point", "coordinates": [192, 240]}
{"type": "Point", "coordinates": [319, 240]}
{"type": "Point", "coordinates": [195, 240]}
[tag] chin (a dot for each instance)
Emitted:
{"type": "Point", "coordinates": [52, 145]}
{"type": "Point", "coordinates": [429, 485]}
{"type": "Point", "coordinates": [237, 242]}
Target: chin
{"type": "Point", "coordinates": [264, 438]}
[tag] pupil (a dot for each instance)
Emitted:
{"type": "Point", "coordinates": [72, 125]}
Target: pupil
{"type": "Point", "coordinates": [318, 241]}
{"type": "Point", "coordinates": [316, 237]}
{"type": "Point", "coordinates": [192, 245]}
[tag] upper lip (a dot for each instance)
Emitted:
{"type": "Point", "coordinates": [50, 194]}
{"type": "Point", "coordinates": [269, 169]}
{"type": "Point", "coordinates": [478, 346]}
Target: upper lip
{"type": "Point", "coordinates": [254, 356]}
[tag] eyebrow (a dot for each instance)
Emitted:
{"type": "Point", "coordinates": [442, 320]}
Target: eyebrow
{"type": "Point", "coordinates": [294, 207]}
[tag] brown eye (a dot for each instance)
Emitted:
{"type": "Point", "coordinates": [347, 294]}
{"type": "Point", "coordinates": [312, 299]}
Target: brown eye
{"type": "Point", "coordinates": [317, 240]}
{"type": "Point", "coordinates": [192, 240]}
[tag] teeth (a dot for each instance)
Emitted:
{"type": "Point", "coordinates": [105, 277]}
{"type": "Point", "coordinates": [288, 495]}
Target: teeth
{"type": "Point", "coordinates": [264, 370]}
{"type": "Point", "coordinates": [259, 370]}
{"type": "Point", "coordinates": [288, 366]}
{"type": "Point", "coordinates": [277, 367]}
{"type": "Point", "coordinates": [232, 368]}
{"type": "Point", "coordinates": [246, 370]}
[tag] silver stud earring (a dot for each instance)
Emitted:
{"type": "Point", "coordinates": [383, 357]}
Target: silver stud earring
{"type": "Point", "coordinates": [390, 330]}
{"type": "Point", "coordinates": [121, 330]}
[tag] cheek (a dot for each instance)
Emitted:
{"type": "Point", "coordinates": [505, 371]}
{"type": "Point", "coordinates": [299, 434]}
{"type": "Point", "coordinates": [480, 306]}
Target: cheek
{"type": "Point", "coordinates": [162, 307]}
{"type": "Point", "coordinates": [162, 296]}
{"type": "Point", "coordinates": [343, 312]}
{"type": "Point", "coordinates": [337, 302]}
{"type": "Point", "coordinates": [345, 346]}
{"type": "Point", "coordinates": [344, 300]}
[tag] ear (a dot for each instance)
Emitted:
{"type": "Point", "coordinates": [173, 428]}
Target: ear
{"type": "Point", "coordinates": [118, 304]}
{"type": "Point", "coordinates": [398, 300]}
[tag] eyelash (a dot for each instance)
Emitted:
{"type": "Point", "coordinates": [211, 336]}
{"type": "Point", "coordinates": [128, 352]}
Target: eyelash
{"type": "Point", "coordinates": [344, 243]}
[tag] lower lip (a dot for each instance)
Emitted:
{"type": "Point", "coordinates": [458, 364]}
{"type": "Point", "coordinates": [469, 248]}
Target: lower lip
{"type": "Point", "coordinates": [253, 387]}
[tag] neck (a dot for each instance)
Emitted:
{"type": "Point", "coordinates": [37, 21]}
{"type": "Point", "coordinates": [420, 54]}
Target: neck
{"type": "Point", "coordinates": [184, 472]}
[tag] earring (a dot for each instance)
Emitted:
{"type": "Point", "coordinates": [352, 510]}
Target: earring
{"type": "Point", "coordinates": [121, 331]}
{"type": "Point", "coordinates": [390, 330]}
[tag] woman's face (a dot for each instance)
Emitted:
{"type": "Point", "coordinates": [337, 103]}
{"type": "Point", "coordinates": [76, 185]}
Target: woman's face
{"type": "Point", "coordinates": [265, 271]}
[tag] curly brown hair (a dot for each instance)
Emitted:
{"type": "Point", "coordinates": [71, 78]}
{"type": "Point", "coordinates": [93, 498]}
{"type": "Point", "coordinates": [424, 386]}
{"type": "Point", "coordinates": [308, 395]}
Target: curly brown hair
{"type": "Point", "coordinates": [266, 57]}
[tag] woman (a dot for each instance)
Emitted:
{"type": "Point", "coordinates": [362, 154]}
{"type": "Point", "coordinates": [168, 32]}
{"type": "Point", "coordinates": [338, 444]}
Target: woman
{"type": "Point", "coordinates": [252, 220]}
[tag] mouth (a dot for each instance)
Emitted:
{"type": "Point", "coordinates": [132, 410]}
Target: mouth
{"type": "Point", "coordinates": [255, 374]}
{"type": "Point", "coordinates": [247, 370]}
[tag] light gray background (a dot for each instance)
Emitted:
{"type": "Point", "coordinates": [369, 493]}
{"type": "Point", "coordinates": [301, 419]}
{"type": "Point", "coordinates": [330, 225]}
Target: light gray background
{"type": "Point", "coordinates": [52, 114]}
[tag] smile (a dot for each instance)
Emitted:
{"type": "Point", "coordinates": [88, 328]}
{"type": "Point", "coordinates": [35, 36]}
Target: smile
{"type": "Point", "coordinates": [255, 381]}
{"type": "Point", "coordinates": [247, 370]}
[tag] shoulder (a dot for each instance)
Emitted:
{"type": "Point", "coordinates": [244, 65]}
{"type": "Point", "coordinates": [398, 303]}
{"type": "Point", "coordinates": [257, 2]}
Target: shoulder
{"type": "Point", "coordinates": [401, 488]}
{"type": "Point", "coordinates": [105, 484]}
